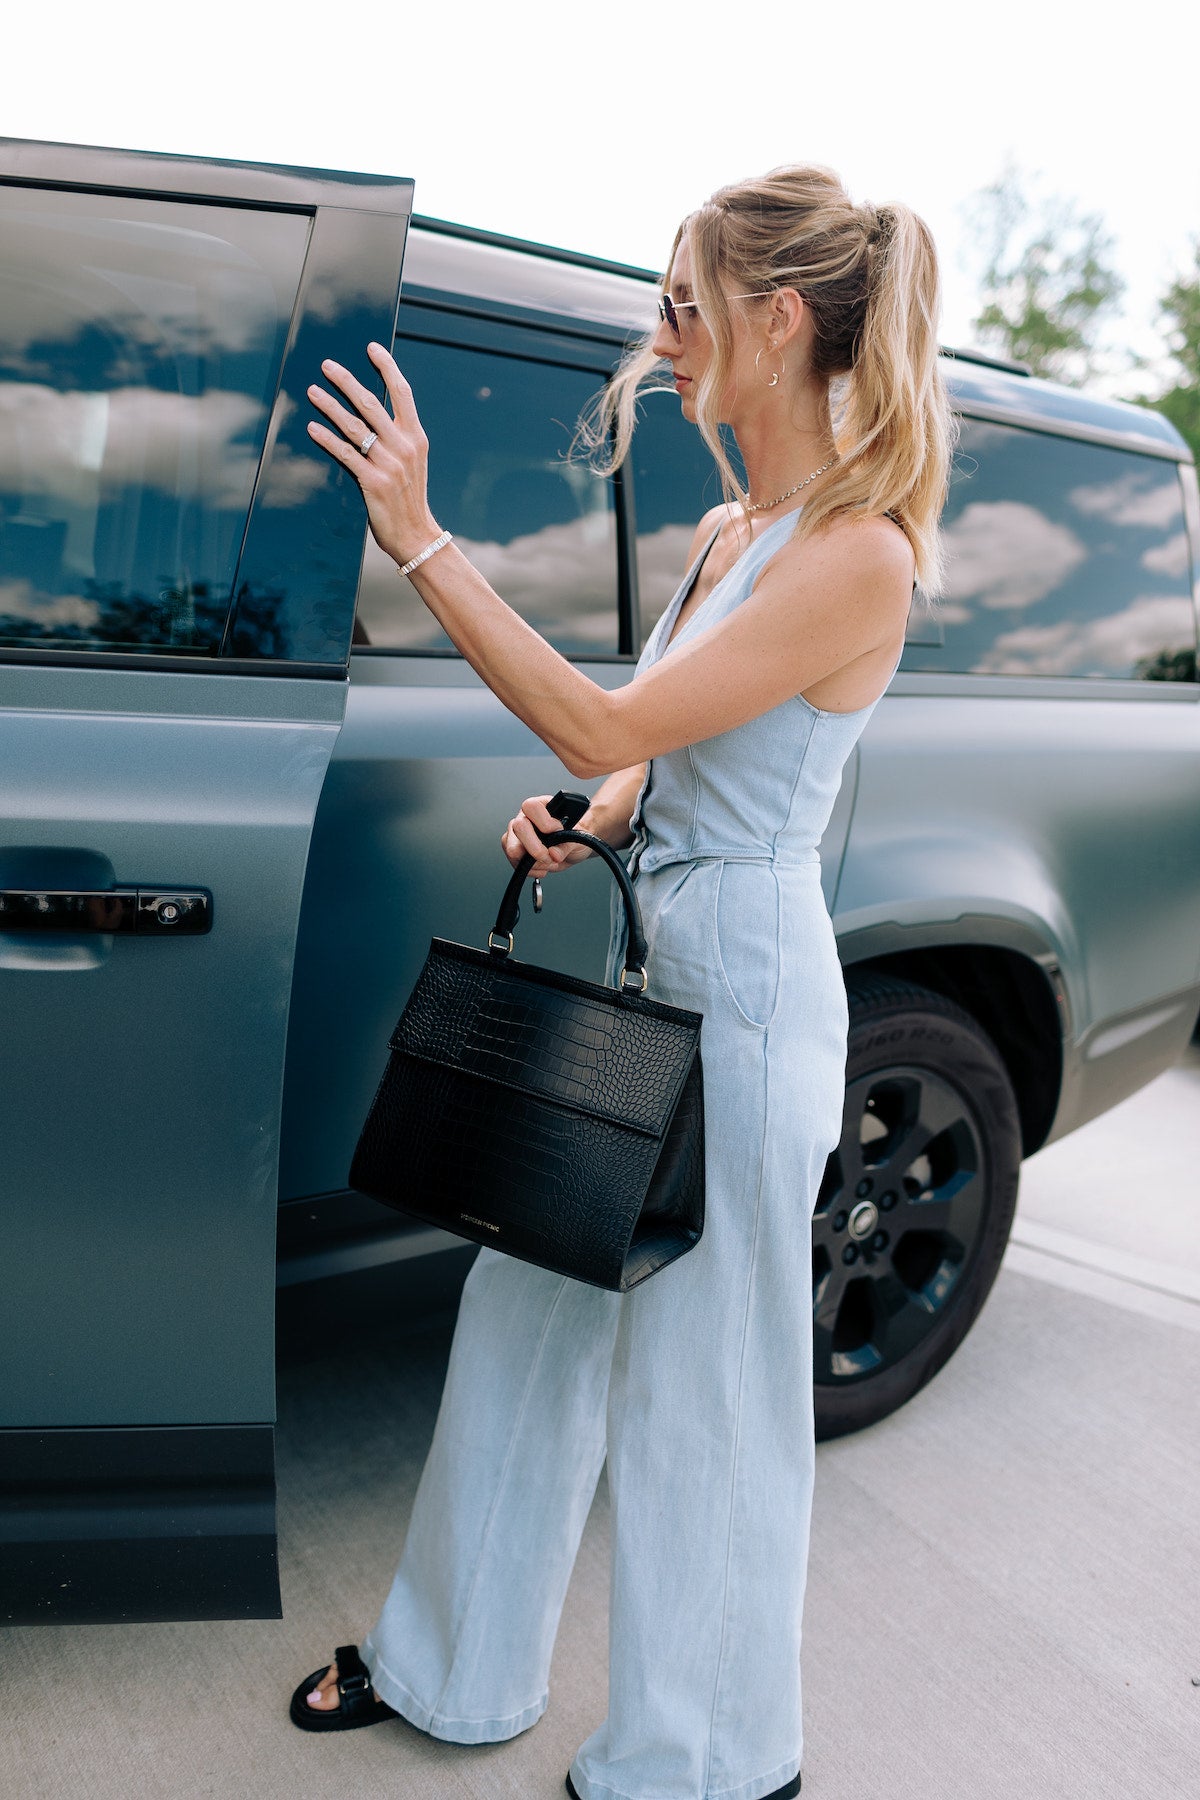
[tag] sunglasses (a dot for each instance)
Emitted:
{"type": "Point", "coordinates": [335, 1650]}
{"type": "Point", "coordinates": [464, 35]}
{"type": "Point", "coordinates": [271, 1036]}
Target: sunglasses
{"type": "Point", "coordinates": [668, 308]}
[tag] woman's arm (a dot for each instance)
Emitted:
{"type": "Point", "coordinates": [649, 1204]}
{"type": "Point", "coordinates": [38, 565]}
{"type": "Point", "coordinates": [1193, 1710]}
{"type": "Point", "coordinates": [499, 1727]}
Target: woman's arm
{"type": "Point", "coordinates": [844, 595]}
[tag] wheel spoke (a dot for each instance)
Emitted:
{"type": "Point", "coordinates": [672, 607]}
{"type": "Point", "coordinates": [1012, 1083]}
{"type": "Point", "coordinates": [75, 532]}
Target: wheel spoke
{"type": "Point", "coordinates": [903, 1316]}
{"type": "Point", "coordinates": [941, 1109]}
{"type": "Point", "coordinates": [954, 1209]}
{"type": "Point", "coordinates": [828, 1289]}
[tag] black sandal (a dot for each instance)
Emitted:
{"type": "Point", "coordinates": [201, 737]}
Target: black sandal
{"type": "Point", "coordinates": [359, 1706]}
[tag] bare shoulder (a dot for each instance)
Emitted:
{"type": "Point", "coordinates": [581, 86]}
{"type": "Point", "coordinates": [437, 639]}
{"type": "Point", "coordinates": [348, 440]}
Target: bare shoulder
{"type": "Point", "coordinates": [868, 559]}
{"type": "Point", "coordinates": [716, 515]}
{"type": "Point", "coordinates": [878, 545]}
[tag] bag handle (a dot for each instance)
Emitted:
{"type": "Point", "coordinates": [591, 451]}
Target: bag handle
{"type": "Point", "coordinates": [633, 975]}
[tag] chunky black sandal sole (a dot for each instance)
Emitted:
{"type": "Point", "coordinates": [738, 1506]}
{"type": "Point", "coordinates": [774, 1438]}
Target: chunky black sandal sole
{"type": "Point", "coordinates": [788, 1792]}
{"type": "Point", "coordinates": [358, 1706]}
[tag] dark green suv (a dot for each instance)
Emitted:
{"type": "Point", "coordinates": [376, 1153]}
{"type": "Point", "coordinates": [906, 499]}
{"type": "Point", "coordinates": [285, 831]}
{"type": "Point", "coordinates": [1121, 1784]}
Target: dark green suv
{"type": "Point", "coordinates": [228, 723]}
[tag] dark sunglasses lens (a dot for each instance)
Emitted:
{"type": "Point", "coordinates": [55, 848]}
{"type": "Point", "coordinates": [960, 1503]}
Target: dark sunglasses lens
{"type": "Point", "coordinates": [667, 311]}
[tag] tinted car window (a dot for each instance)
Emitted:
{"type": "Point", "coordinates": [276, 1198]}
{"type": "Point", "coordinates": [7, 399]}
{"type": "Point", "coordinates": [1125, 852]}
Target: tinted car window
{"type": "Point", "coordinates": [540, 529]}
{"type": "Point", "coordinates": [1065, 558]}
{"type": "Point", "coordinates": [675, 483]}
{"type": "Point", "coordinates": [140, 345]}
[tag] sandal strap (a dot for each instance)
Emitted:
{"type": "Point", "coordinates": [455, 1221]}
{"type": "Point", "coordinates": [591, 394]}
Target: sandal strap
{"type": "Point", "coordinates": [353, 1682]}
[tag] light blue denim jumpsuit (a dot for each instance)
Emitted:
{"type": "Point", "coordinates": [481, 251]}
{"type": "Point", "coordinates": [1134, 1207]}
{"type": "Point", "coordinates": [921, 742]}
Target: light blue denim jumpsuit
{"type": "Point", "coordinates": [697, 1384]}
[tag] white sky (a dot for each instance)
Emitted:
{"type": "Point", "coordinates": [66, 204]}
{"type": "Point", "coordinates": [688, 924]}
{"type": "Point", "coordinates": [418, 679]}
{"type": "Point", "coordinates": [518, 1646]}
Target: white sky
{"type": "Point", "coordinates": [597, 128]}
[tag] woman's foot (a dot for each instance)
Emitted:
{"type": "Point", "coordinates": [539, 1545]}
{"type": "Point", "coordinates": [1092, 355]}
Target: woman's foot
{"type": "Point", "coordinates": [324, 1697]}
{"type": "Point", "coordinates": [338, 1696]}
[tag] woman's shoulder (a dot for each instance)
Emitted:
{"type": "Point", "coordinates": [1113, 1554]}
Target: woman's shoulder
{"type": "Point", "coordinates": [854, 565]}
{"type": "Point", "coordinates": [714, 518]}
{"type": "Point", "coordinates": [871, 541]}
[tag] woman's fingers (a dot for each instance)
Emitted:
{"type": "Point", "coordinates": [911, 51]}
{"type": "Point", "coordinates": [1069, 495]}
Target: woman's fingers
{"type": "Point", "coordinates": [362, 399]}
{"type": "Point", "coordinates": [536, 812]}
{"type": "Point", "coordinates": [336, 444]}
{"type": "Point", "coordinates": [346, 422]}
{"type": "Point", "coordinates": [394, 381]}
{"type": "Point", "coordinates": [519, 838]}
{"type": "Point", "coordinates": [545, 859]}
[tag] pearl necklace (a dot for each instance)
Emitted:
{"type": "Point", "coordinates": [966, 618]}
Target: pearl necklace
{"type": "Point", "coordinates": [766, 505]}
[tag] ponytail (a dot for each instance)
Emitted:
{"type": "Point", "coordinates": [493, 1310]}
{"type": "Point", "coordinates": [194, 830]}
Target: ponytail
{"type": "Point", "coordinates": [870, 279]}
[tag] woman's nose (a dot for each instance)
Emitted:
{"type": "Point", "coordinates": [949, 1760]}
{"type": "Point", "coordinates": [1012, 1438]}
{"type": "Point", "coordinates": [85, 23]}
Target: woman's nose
{"type": "Point", "coordinates": [664, 341]}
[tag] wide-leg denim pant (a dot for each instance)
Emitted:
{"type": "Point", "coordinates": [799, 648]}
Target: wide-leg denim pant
{"type": "Point", "coordinates": [696, 1385]}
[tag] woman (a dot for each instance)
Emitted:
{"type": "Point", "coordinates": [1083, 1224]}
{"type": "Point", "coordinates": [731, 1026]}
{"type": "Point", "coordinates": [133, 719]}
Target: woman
{"type": "Point", "coordinates": [728, 744]}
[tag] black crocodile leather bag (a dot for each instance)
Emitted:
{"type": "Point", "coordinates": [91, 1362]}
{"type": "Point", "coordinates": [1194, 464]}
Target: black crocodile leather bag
{"type": "Point", "coordinates": [557, 1119]}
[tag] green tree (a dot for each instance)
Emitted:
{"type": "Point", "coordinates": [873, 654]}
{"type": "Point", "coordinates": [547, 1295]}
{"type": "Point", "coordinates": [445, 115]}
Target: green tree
{"type": "Point", "coordinates": [1047, 283]}
{"type": "Point", "coordinates": [1179, 310]}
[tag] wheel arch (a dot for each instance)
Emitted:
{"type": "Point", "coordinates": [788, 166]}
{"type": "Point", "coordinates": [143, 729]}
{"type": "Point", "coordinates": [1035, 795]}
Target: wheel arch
{"type": "Point", "coordinates": [1017, 998]}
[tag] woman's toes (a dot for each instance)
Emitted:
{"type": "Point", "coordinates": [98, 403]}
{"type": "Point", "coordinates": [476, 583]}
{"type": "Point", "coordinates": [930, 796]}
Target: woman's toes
{"type": "Point", "coordinates": [324, 1697]}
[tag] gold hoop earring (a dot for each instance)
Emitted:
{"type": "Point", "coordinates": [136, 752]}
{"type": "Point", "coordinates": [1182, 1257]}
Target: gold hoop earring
{"type": "Point", "coordinates": [782, 370]}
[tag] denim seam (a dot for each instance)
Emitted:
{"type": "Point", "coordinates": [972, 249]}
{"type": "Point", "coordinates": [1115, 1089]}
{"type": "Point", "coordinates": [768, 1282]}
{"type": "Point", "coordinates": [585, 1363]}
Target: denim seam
{"type": "Point", "coordinates": [487, 1529]}
{"type": "Point", "coordinates": [787, 816]}
{"type": "Point", "coordinates": [778, 947]}
{"type": "Point", "coordinates": [695, 773]}
{"type": "Point", "coordinates": [737, 1431]}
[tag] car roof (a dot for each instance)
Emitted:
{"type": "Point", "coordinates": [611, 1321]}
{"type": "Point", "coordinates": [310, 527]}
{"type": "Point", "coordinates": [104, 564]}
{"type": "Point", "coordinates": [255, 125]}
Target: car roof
{"type": "Point", "coordinates": [563, 290]}
{"type": "Point", "coordinates": [595, 297]}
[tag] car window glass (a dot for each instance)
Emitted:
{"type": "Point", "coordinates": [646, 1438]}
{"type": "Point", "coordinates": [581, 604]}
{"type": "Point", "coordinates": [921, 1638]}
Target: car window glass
{"type": "Point", "coordinates": [542, 530]}
{"type": "Point", "coordinates": [1065, 558]}
{"type": "Point", "coordinates": [675, 483]}
{"type": "Point", "coordinates": [140, 346]}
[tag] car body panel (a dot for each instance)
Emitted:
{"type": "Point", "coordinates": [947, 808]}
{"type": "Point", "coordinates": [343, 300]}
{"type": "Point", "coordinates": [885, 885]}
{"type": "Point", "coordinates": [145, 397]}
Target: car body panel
{"type": "Point", "coordinates": [142, 1085]}
{"type": "Point", "coordinates": [140, 1116]}
{"type": "Point", "coordinates": [1095, 873]}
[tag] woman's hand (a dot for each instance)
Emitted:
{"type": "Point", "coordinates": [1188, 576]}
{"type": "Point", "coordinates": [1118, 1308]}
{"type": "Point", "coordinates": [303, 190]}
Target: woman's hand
{"type": "Point", "coordinates": [519, 836]}
{"type": "Point", "coordinates": [392, 473]}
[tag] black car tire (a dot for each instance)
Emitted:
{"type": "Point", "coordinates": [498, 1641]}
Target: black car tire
{"type": "Point", "coordinates": [916, 1204]}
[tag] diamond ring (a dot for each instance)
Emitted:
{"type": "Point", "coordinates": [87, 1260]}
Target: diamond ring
{"type": "Point", "coordinates": [365, 446]}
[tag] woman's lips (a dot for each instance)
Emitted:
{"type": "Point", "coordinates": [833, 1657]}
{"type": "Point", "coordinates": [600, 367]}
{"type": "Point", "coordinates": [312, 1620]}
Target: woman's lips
{"type": "Point", "coordinates": [682, 380]}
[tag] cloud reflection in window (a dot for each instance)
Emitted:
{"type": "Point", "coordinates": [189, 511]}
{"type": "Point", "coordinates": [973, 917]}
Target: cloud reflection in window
{"type": "Point", "coordinates": [1065, 558]}
{"type": "Point", "coordinates": [560, 579]}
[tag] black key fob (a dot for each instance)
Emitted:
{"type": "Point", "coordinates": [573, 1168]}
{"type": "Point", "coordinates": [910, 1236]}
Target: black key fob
{"type": "Point", "coordinates": [568, 808]}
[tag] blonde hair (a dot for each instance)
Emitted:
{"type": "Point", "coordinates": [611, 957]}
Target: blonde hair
{"type": "Point", "coordinates": [869, 277]}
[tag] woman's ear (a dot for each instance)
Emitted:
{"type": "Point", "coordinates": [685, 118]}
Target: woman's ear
{"type": "Point", "coordinates": [788, 309]}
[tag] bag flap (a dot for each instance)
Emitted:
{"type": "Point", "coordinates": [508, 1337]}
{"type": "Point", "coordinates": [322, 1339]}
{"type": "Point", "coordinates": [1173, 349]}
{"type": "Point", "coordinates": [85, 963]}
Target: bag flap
{"type": "Point", "coordinates": [619, 1056]}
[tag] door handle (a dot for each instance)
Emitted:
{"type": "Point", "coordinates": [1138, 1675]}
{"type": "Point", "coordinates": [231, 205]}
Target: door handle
{"type": "Point", "coordinates": [145, 912]}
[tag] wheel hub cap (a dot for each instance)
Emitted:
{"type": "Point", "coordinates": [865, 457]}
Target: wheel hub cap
{"type": "Point", "coordinates": [863, 1219]}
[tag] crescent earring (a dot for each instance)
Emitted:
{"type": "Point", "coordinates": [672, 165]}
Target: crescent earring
{"type": "Point", "coordinates": [782, 369]}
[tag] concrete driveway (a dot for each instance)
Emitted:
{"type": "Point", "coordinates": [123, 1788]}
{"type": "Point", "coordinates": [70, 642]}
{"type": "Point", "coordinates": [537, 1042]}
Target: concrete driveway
{"type": "Point", "coordinates": [1004, 1581]}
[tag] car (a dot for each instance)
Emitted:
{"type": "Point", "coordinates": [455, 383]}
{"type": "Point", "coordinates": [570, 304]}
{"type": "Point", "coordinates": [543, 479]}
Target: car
{"type": "Point", "coordinates": [245, 778]}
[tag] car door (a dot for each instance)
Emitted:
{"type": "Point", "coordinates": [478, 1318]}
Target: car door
{"type": "Point", "coordinates": [430, 765]}
{"type": "Point", "coordinates": [178, 568]}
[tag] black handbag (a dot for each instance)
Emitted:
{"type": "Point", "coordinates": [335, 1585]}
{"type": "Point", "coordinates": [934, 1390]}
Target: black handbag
{"type": "Point", "coordinates": [557, 1119]}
